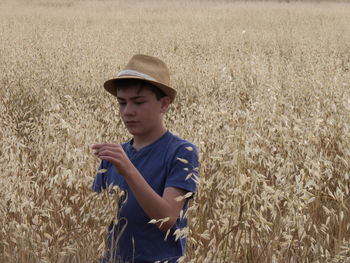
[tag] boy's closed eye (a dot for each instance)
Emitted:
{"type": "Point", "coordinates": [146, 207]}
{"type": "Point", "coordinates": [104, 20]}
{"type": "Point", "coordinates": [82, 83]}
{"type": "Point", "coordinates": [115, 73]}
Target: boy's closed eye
{"type": "Point", "coordinates": [122, 103]}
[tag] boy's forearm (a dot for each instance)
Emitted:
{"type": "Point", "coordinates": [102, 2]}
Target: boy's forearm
{"type": "Point", "coordinates": [154, 205]}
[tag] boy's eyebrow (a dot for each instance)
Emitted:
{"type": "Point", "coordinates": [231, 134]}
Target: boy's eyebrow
{"type": "Point", "coordinates": [132, 98]}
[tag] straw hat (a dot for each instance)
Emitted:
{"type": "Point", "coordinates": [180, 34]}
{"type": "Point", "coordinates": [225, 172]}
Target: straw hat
{"type": "Point", "coordinates": [146, 68]}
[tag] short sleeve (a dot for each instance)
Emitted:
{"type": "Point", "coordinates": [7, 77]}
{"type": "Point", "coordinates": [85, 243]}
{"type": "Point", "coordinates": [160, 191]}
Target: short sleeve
{"type": "Point", "coordinates": [183, 170]}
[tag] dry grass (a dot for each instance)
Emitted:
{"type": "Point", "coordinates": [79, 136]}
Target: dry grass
{"type": "Point", "coordinates": [264, 91]}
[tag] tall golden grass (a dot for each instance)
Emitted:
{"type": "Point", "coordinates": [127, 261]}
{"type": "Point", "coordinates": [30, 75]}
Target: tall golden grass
{"type": "Point", "coordinates": [264, 91]}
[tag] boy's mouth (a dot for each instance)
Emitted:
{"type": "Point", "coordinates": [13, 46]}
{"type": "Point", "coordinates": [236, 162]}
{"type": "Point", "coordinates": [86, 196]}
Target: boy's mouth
{"type": "Point", "coordinates": [130, 123]}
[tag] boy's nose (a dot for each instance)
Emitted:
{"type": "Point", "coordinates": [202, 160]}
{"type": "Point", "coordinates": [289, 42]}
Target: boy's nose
{"type": "Point", "coordinates": [128, 109]}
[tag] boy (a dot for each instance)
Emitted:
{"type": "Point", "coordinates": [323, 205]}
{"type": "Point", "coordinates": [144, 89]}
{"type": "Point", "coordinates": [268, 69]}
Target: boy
{"type": "Point", "coordinates": [152, 168]}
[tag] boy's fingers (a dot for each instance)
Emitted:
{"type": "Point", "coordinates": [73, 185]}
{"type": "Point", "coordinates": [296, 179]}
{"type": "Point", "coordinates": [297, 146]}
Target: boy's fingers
{"type": "Point", "coordinates": [96, 146]}
{"type": "Point", "coordinates": [100, 145]}
{"type": "Point", "coordinates": [115, 153]}
{"type": "Point", "coordinates": [112, 148]}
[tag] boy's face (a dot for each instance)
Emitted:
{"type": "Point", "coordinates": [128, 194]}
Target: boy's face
{"type": "Point", "coordinates": [140, 110]}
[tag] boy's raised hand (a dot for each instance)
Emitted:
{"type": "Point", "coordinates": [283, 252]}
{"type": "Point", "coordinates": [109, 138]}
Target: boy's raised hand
{"type": "Point", "coordinates": [115, 154]}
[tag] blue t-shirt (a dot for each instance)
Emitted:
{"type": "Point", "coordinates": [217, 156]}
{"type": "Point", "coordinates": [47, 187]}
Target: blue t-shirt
{"type": "Point", "coordinates": [158, 163]}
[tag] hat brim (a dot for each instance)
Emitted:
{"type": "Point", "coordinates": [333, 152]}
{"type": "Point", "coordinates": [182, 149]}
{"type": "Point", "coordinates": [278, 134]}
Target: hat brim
{"type": "Point", "coordinates": [112, 85]}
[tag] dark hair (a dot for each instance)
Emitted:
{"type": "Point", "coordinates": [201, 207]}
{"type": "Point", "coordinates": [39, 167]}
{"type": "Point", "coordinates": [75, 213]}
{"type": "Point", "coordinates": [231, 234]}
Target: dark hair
{"type": "Point", "coordinates": [125, 83]}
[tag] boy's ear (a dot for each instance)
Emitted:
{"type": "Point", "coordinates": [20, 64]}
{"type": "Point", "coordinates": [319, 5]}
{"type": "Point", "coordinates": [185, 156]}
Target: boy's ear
{"type": "Point", "coordinates": [165, 102]}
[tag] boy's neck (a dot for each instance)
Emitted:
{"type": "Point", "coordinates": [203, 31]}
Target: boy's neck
{"type": "Point", "coordinates": [142, 141]}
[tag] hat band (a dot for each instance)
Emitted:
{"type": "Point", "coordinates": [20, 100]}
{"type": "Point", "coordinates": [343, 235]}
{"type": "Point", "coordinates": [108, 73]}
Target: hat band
{"type": "Point", "coordinates": [129, 72]}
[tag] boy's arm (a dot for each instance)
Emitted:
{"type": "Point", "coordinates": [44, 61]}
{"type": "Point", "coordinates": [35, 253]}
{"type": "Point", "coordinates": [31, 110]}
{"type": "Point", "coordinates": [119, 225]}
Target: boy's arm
{"type": "Point", "coordinates": [154, 205]}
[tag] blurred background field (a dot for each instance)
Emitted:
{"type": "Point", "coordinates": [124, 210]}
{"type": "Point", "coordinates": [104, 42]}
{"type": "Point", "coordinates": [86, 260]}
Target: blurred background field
{"type": "Point", "coordinates": [263, 91]}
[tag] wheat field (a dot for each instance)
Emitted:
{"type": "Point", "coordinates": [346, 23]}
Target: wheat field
{"type": "Point", "coordinates": [263, 91]}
